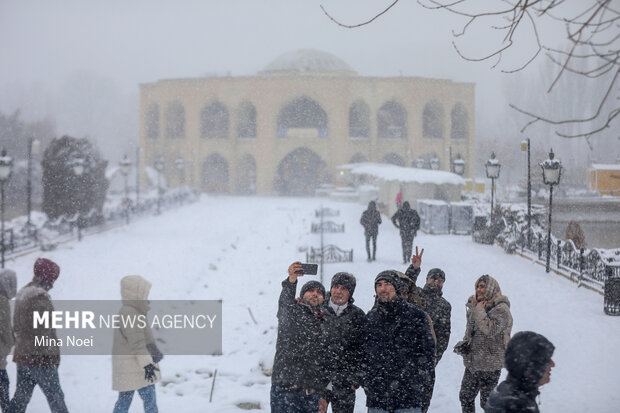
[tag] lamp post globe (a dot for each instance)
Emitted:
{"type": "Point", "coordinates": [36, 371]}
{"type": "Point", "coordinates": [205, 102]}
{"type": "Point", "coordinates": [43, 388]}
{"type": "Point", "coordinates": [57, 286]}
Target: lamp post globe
{"type": "Point", "coordinates": [552, 171]}
{"type": "Point", "coordinates": [459, 165]}
{"type": "Point", "coordinates": [6, 165]}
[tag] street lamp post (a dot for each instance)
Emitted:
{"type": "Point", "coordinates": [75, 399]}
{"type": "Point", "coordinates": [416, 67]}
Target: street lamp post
{"type": "Point", "coordinates": [492, 169]}
{"type": "Point", "coordinates": [159, 167]}
{"type": "Point", "coordinates": [525, 146]}
{"type": "Point", "coordinates": [137, 176]}
{"type": "Point", "coordinates": [33, 149]}
{"type": "Point", "coordinates": [6, 163]}
{"type": "Point", "coordinates": [180, 165]}
{"type": "Point", "coordinates": [125, 165]}
{"type": "Point", "coordinates": [552, 170]}
{"type": "Point", "coordinates": [77, 164]}
{"type": "Point", "coordinates": [458, 165]}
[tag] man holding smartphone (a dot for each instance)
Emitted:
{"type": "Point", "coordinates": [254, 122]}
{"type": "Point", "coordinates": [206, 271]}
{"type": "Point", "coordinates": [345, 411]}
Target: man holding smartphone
{"type": "Point", "coordinates": [299, 375]}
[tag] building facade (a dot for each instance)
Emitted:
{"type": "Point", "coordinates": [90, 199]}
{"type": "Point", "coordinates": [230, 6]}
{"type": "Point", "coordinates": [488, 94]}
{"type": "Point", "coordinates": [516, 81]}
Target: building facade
{"type": "Point", "coordinates": [287, 129]}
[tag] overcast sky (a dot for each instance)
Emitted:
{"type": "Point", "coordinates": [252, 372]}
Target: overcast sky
{"type": "Point", "coordinates": [45, 43]}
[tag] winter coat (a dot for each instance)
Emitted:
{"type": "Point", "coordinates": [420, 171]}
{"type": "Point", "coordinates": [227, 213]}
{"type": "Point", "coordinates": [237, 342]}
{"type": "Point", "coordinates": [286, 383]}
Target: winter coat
{"type": "Point", "coordinates": [440, 311]}
{"type": "Point", "coordinates": [488, 330]}
{"type": "Point", "coordinates": [33, 297]}
{"type": "Point", "coordinates": [345, 340]}
{"type": "Point", "coordinates": [406, 220]}
{"type": "Point", "coordinates": [300, 360]}
{"type": "Point", "coordinates": [399, 358]}
{"type": "Point", "coordinates": [371, 218]}
{"type": "Point", "coordinates": [129, 350]}
{"type": "Point", "coordinates": [527, 357]}
{"type": "Point", "coordinates": [8, 287]}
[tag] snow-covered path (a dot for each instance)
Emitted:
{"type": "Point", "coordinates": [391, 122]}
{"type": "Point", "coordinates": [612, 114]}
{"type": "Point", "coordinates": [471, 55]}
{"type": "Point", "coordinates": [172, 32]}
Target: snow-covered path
{"type": "Point", "coordinates": [238, 249]}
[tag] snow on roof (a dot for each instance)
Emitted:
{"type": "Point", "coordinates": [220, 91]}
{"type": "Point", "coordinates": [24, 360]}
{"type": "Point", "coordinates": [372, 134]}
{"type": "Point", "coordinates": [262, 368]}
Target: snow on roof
{"type": "Point", "coordinates": [398, 173]}
{"type": "Point", "coordinates": [308, 61]}
{"type": "Point", "coordinates": [610, 166]}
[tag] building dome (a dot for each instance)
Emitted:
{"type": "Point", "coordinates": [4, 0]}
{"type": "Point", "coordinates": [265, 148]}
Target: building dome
{"type": "Point", "coordinates": [308, 62]}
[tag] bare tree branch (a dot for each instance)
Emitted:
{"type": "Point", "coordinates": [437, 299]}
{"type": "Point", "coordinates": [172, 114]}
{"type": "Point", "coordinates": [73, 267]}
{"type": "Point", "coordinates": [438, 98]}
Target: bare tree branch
{"type": "Point", "coordinates": [359, 24]}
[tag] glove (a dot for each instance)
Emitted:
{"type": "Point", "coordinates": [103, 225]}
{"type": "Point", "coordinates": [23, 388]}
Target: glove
{"type": "Point", "coordinates": [149, 372]}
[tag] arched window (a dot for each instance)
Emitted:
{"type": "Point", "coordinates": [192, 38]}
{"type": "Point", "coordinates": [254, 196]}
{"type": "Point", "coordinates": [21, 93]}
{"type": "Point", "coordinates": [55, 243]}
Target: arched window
{"type": "Point", "coordinates": [459, 123]}
{"type": "Point", "coordinates": [302, 118]}
{"type": "Point", "coordinates": [358, 158]}
{"type": "Point", "coordinates": [152, 122]}
{"type": "Point", "coordinates": [359, 120]}
{"type": "Point", "coordinates": [432, 125]}
{"type": "Point", "coordinates": [392, 121]}
{"type": "Point", "coordinates": [215, 174]}
{"type": "Point", "coordinates": [175, 120]}
{"type": "Point", "coordinates": [393, 159]}
{"type": "Point", "coordinates": [301, 172]}
{"type": "Point", "coordinates": [214, 121]}
{"type": "Point", "coordinates": [246, 175]}
{"type": "Point", "coordinates": [246, 125]}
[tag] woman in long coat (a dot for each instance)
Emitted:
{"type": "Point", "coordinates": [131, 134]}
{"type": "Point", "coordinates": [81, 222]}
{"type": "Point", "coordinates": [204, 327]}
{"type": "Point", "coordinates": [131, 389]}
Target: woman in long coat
{"type": "Point", "coordinates": [134, 360]}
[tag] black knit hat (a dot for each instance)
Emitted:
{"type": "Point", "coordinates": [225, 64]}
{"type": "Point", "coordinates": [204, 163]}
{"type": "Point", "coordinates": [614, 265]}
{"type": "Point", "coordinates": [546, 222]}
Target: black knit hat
{"type": "Point", "coordinates": [390, 276]}
{"type": "Point", "coordinates": [309, 286]}
{"type": "Point", "coordinates": [436, 272]}
{"type": "Point", "coordinates": [527, 356]}
{"type": "Point", "coordinates": [345, 279]}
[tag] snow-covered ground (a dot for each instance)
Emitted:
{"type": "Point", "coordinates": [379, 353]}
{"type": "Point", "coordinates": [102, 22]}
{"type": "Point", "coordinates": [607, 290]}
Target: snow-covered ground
{"type": "Point", "coordinates": [238, 249]}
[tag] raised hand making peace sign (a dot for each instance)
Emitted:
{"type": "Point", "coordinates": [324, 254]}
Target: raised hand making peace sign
{"type": "Point", "coordinates": [416, 259]}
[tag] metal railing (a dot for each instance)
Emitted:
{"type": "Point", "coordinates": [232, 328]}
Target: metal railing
{"type": "Point", "coordinates": [46, 236]}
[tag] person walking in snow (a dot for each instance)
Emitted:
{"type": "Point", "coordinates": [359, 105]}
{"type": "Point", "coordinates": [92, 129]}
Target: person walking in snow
{"type": "Point", "coordinates": [371, 218]}
{"type": "Point", "coordinates": [135, 357]}
{"type": "Point", "coordinates": [345, 339]}
{"type": "Point", "coordinates": [300, 375]}
{"type": "Point", "coordinates": [529, 363]}
{"type": "Point", "coordinates": [399, 351]}
{"type": "Point", "coordinates": [407, 221]}
{"type": "Point", "coordinates": [433, 303]}
{"type": "Point", "coordinates": [36, 364]}
{"type": "Point", "coordinates": [8, 288]}
{"type": "Point", "coordinates": [489, 324]}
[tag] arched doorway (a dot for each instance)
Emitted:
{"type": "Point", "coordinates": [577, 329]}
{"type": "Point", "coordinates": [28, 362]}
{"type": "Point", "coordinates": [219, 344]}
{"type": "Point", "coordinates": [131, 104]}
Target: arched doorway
{"type": "Point", "coordinates": [215, 174]}
{"type": "Point", "coordinates": [301, 172]}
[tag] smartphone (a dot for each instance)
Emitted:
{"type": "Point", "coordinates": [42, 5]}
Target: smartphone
{"type": "Point", "coordinates": [310, 269]}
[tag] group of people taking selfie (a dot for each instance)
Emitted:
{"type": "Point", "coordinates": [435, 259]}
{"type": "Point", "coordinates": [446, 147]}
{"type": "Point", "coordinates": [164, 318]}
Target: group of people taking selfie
{"type": "Point", "coordinates": [327, 347]}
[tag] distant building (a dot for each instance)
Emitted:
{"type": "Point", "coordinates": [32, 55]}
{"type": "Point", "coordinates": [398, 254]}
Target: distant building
{"type": "Point", "coordinates": [286, 129]}
{"type": "Point", "coordinates": [604, 178]}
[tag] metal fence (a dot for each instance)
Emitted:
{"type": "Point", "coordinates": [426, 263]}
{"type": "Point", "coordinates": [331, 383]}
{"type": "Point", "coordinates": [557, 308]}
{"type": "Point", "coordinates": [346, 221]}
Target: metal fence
{"type": "Point", "coordinates": [21, 238]}
{"type": "Point", "coordinates": [594, 265]}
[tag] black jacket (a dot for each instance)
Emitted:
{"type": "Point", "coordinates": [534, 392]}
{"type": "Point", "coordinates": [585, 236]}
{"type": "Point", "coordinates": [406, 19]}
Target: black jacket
{"type": "Point", "coordinates": [371, 218]}
{"type": "Point", "coordinates": [300, 349]}
{"type": "Point", "coordinates": [345, 340]}
{"type": "Point", "coordinates": [399, 358]}
{"type": "Point", "coordinates": [438, 309]}
{"type": "Point", "coordinates": [406, 220]}
{"type": "Point", "coordinates": [527, 356]}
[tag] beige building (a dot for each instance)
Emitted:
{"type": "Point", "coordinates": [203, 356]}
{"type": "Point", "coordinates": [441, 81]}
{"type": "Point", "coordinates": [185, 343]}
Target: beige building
{"type": "Point", "coordinates": [287, 129]}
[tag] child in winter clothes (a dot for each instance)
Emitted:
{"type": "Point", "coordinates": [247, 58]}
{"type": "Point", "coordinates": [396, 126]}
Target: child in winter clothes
{"type": "Point", "coordinates": [134, 358]}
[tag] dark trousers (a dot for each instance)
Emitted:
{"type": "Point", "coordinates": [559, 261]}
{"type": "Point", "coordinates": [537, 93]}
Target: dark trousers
{"type": "Point", "coordinates": [48, 381]}
{"type": "Point", "coordinates": [428, 394]}
{"type": "Point", "coordinates": [285, 400]}
{"type": "Point", "coordinates": [407, 243]}
{"type": "Point", "coordinates": [474, 382]}
{"type": "Point", "coordinates": [342, 400]}
{"type": "Point", "coordinates": [374, 245]}
{"type": "Point", "coordinates": [4, 391]}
